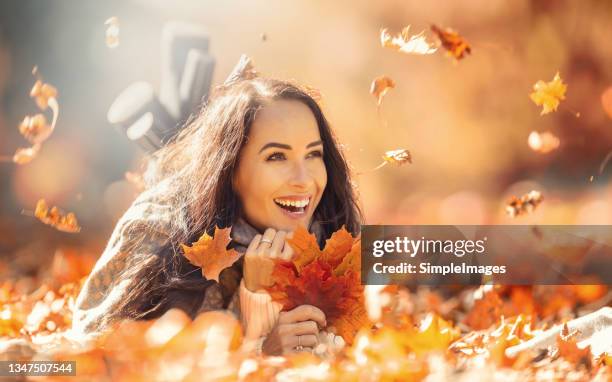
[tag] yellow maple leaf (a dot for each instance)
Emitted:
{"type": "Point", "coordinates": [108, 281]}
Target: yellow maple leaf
{"type": "Point", "coordinates": [210, 253]}
{"type": "Point", "coordinates": [549, 94]}
{"type": "Point", "coordinates": [434, 334]}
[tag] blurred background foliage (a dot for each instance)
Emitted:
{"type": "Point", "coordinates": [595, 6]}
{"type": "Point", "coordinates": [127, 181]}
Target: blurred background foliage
{"type": "Point", "coordinates": [465, 123]}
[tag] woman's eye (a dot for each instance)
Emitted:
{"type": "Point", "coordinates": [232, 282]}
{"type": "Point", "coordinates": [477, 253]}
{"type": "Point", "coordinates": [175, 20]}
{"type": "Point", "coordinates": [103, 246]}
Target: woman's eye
{"type": "Point", "coordinates": [275, 157]}
{"type": "Point", "coordinates": [315, 154]}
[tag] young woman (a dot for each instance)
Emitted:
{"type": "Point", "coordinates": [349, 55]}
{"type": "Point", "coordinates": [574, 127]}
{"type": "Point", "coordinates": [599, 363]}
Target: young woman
{"type": "Point", "coordinates": [260, 157]}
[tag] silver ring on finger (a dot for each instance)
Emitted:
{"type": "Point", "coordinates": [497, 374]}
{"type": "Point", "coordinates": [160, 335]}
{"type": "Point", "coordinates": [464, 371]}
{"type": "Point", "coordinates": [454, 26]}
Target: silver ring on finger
{"type": "Point", "coordinates": [266, 241]}
{"type": "Point", "coordinates": [299, 346]}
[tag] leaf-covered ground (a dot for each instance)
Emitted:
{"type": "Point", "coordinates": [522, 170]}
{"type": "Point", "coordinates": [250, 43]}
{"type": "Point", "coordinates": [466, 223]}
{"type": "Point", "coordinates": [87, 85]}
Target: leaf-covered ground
{"type": "Point", "coordinates": [422, 334]}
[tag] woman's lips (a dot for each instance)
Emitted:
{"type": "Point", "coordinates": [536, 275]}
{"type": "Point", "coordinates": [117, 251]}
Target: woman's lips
{"type": "Point", "coordinates": [299, 203]}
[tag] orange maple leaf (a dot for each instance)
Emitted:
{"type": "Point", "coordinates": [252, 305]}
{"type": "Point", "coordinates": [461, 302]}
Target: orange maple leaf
{"type": "Point", "coordinates": [210, 253]}
{"type": "Point", "coordinates": [568, 347]}
{"type": "Point", "coordinates": [338, 246]}
{"type": "Point", "coordinates": [327, 279]}
{"type": "Point", "coordinates": [306, 245]}
{"type": "Point", "coordinates": [453, 42]}
{"type": "Point", "coordinates": [380, 86]}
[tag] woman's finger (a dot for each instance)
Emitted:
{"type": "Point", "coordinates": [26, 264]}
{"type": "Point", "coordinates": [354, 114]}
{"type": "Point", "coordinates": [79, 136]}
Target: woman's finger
{"type": "Point", "coordinates": [306, 340]}
{"type": "Point", "coordinates": [253, 244]}
{"type": "Point", "coordinates": [303, 313]}
{"type": "Point", "coordinates": [287, 252]}
{"type": "Point", "coordinates": [304, 327]}
{"type": "Point", "coordinates": [266, 241]}
{"type": "Point", "coordinates": [277, 244]}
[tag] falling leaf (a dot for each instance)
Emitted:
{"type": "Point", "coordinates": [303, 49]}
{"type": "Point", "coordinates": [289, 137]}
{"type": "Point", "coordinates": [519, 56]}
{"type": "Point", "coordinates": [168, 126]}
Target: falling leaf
{"type": "Point", "coordinates": [35, 128]}
{"type": "Point", "coordinates": [416, 44]}
{"type": "Point", "coordinates": [26, 155]}
{"type": "Point", "coordinates": [397, 157]}
{"type": "Point", "coordinates": [323, 279]}
{"type": "Point", "coordinates": [380, 86]}
{"type": "Point", "coordinates": [454, 43]}
{"type": "Point", "coordinates": [548, 95]}
{"type": "Point", "coordinates": [211, 254]}
{"type": "Point", "coordinates": [42, 93]}
{"type": "Point", "coordinates": [112, 32]}
{"type": "Point", "coordinates": [543, 142]}
{"type": "Point", "coordinates": [55, 218]}
{"type": "Point", "coordinates": [525, 204]}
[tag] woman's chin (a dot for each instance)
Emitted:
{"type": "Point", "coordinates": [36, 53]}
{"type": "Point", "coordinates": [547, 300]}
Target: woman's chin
{"type": "Point", "coordinates": [291, 225]}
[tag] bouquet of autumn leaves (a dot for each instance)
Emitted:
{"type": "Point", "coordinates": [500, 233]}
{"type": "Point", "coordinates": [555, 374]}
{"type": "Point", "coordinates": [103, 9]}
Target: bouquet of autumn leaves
{"type": "Point", "coordinates": [328, 279]}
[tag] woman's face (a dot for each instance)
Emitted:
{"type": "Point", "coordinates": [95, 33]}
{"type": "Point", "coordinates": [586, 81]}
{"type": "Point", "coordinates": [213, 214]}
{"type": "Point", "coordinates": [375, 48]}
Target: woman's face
{"type": "Point", "coordinates": [281, 175]}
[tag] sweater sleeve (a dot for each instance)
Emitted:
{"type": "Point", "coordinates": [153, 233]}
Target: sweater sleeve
{"type": "Point", "coordinates": [130, 253]}
{"type": "Point", "coordinates": [258, 312]}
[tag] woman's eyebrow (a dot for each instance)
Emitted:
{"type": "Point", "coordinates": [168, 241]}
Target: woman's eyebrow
{"type": "Point", "coordinates": [286, 147]}
{"type": "Point", "coordinates": [315, 143]}
{"type": "Point", "coordinates": [275, 144]}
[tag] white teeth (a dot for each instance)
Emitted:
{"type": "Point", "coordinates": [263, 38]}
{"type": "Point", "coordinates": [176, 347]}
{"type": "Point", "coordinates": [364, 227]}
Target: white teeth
{"type": "Point", "coordinates": [293, 203]}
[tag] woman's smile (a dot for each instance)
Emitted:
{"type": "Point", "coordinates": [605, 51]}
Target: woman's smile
{"type": "Point", "coordinates": [294, 206]}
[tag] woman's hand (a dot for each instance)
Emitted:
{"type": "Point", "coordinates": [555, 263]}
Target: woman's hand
{"type": "Point", "coordinates": [258, 259]}
{"type": "Point", "coordinates": [296, 330]}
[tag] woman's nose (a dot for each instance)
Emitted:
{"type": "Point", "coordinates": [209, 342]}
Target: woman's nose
{"type": "Point", "coordinates": [301, 176]}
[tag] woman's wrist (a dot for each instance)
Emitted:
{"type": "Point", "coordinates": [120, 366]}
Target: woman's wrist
{"type": "Point", "coordinates": [258, 312]}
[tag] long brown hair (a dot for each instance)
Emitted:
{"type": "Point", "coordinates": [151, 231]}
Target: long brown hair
{"type": "Point", "coordinates": [193, 175]}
